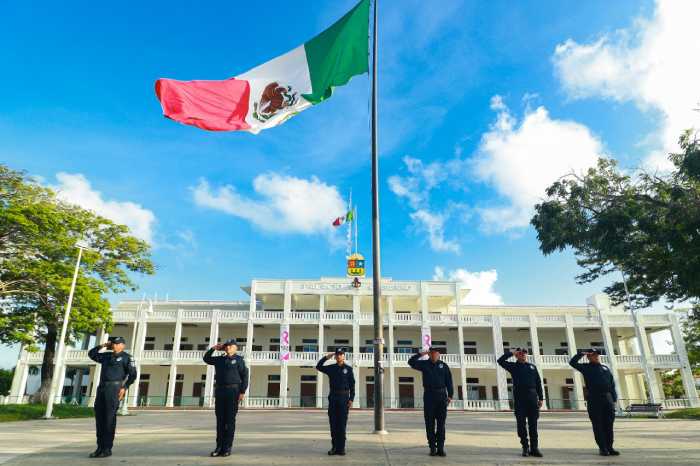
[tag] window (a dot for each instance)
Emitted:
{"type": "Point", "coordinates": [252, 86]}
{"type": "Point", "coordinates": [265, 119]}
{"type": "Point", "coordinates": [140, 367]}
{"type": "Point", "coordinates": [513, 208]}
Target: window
{"type": "Point", "coordinates": [309, 340]}
{"type": "Point", "coordinates": [597, 343]}
{"type": "Point", "coordinates": [273, 378]}
{"type": "Point", "coordinates": [149, 347]}
{"type": "Point", "coordinates": [469, 347]}
{"type": "Point", "coordinates": [274, 340]}
{"type": "Point", "coordinates": [569, 381]}
{"type": "Point", "coordinates": [168, 347]}
{"type": "Point", "coordinates": [257, 348]}
{"type": "Point", "coordinates": [469, 343]}
{"type": "Point", "coordinates": [509, 381]}
{"type": "Point", "coordinates": [241, 340]}
{"type": "Point", "coordinates": [187, 347]}
{"type": "Point", "coordinates": [308, 378]}
{"type": "Point", "coordinates": [206, 340]}
{"type": "Point", "coordinates": [439, 343]}
{"type": "Point", "coordinates": [150, 338]}
{"type": "Point", "coordinates": [145, 376]}
{"type": "Point", "coordinates": [404, 342]}
{"type": "Point", "coordinates": [405, 379]}
{"type": "Point", "coordinates": [561, 351]}
{"type": "Point", "coordinates": [472, 380]}
{"type": "Point", "coordinates": [202, 347]}
{"type": "Point", "coordinates": [506, 343]}
{"type": "Point", "coordinates": [204, 377]}
{"type": "Point", "coordinates": [564, 344]}
{"type": "Point", "coordinates": [369, 379]}
{"type": "Point", "coordinates": [341, 342]}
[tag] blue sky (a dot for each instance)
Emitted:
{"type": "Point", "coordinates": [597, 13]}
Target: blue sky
{"type": "Point", "coordinates": [482, 105]}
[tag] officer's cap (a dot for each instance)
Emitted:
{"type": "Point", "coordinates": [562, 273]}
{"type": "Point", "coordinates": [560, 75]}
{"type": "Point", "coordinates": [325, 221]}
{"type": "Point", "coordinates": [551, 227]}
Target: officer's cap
{"type": "Point", "coordinates": [117, 340]}
{"type": "Point", "coordinates": [595, 351]}
{"type": "Point", "coordinates": [230, 341]}
{"type": "Point", "coordinates": [521, 350]}
{"type": "Point", "coordinates": [432, 349]}
{"type": "Point", "coordinates": [339, 351]}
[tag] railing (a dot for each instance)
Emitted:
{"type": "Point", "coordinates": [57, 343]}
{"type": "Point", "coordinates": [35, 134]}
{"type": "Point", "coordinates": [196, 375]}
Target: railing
{"type": "Point", "coordinates": [677, 403]}
{"type": "Point", "coordinates": [555, 359]}
{"type": "Point", "coordinates": [363, 357]}
{"type": "Point", "coordinates": [304, 316]}
{"type": "Point", "coordinates": [450, 358]}
{"type": "Point", "coordinates": [479, 405]}
{"type": "Point", "coordinates": [157, 355]}
{"type": "Point", "coordinates": [162, 315]}
{"type": "Point", "coordinates": [367, 316]}
{"type": "Point", "coordinates": [301, 356]}
{"type": "Point", "coordinates": [475, 320]}
{"type": "Point", "coordinates": [619, 319]}
{"type": "Point", "coordinates": [400, 358]}
{"type": "Point", "coordinates": [654, 319]}
{"type": "Point", "coordinates": [233, 315]}
{"type": "Point", "coordinates": [123, 316]}
{"type": "Point", "coordinates": [628, 359]}
{"type": "Point", "coordinates": [525, 320]}
{"type": "Point", "coordinates": [263, 402]}
{"type": "Point", "coordinates": [199, 316]}
{"type": "Point", "coordinates": [479, 359]}
{"type": "Point", "coordinates": [550, 320]}
{"type": "Point", "coordinates": [267, 315]}
{"type": "Point", "coordinates": [666, 359]}
{"type": "Point", "coordinates": [190, 355]}
{"type": "Point", "coordinates": [77, 355]}
{"type": "Point", "coordinates": [586, 320]}
{"type": "Point", "coordinates": [337, 316]}
{"type": "Point", "coordinates": [406, 317]}
{"type": "Point", "coordinates": [264, 356]}
{"type": "Point", "coordinates": [442, 318]}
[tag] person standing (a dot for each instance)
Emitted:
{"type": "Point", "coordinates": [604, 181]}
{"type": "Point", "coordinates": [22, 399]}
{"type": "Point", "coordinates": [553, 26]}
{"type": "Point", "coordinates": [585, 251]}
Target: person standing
{"type": "Point", "coordinates": [601, 401]}
{"type": "Point", "coordinates": [231, 383]}
{"type": "Point", "coordinates": [527, 394]}
{"type": "Point", "coordinates": [341, 394]}
{"type": "Point", "coordinates": [116, 376]}
{"type": "Point", "coordinates": [437, 395]}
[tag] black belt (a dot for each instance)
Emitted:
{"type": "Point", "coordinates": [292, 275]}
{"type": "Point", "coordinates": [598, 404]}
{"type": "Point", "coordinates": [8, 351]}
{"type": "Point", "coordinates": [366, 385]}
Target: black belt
{"type": "Point", "coordinates": [340, 392]}
{"type": "Point", "coordinates": [434, 389]}
{"type": "Point", "coordinates": [229, 385]}
{"type": "Point", "coordinates": [111, 382]}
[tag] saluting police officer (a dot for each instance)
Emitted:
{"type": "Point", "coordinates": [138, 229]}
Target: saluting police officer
{"type": "Point", "coordinates": [527, 394]}
{"type": "Point", "coordinates": [117, 374]}
{"type": "Point", "coordinates": [601, 399]}
{"type": "Point", "coordinates": [437, 394]}
{"type": "Point", "coordinates": [341, 394]}
{"type": "Point", "coordinates": [231, 383]}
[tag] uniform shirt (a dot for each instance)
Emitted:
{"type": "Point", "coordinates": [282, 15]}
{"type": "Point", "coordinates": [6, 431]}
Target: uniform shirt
{"type": "Point", "coordinates": [525, 376]}
{"type": "Point", "coordinates": [341, 377]}
{"type": "Point", "coordinates": [436, 375]}
{"type": "Point", "coordinates": [599, 379]}
{"type": "Point", "coordinates": [116, 367]}
{"type": "Point", "coordinates": [229, 369]}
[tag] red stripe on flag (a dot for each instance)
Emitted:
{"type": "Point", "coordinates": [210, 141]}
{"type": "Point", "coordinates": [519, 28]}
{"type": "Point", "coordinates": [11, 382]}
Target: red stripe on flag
{"type": "Point", "coordinates": [210, 105]}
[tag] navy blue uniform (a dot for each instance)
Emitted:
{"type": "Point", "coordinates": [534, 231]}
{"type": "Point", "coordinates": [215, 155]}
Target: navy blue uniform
{"type": "Point", "coordinates": [340, 394]}
{"type": "Point", "coordinates": [602, 397]}
{"type": "Point", "coordinates": [118, 371]}
{"type": "Point", "coordinates": [231, 377]}
{"type": "Point", "coordinates": [437, 388]}
{"type": "Point", "coordinates": [527, 393]}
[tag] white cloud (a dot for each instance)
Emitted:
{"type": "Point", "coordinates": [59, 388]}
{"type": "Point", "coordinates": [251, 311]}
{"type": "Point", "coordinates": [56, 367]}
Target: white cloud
{"type": "Point", "coordinates": [285, 204]}
{"type": "Point", "coordinates": [479, 284]}
{"type": "Point", "coordinates": [520, 159]}
{"type": "Point", "coordinates": [76, 189]}
{"type": "Point", "coordinates": [653, 64]}
{"type": "Point", "coordinates": [434, 225]}
{"type": "Point", "coordinates": [415, 188]}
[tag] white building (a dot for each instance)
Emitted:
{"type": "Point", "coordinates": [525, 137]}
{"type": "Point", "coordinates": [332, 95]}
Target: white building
{"type": "Point", "coordinates": [327, 313]}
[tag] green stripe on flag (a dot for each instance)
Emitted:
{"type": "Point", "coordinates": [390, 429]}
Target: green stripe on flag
{"type": "Point", "coordinates": [338, 53]}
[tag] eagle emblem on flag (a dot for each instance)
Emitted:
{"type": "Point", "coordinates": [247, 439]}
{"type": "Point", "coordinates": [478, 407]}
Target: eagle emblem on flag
{"type": "Point", "coordinates": [274, 97]}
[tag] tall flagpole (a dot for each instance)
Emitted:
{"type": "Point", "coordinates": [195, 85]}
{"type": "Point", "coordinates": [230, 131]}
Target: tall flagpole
{"type": "Point", "coordinates": [376, 272]}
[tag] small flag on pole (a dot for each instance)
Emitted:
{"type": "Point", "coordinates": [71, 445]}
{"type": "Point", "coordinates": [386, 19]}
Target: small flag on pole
{"type": "Point", "coordinates": [344, 219]}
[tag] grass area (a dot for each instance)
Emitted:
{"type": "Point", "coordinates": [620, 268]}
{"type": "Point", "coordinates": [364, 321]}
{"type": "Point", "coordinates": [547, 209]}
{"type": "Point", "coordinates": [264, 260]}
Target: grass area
{"type": "Point", "coordinates": [27, 412]}
{"type": "Point", "coordinates": [687, 413]}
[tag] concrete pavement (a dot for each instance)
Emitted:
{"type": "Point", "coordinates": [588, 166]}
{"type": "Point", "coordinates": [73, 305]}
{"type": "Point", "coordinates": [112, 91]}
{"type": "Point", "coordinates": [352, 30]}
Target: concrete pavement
{"type": "Point", "coordinates": [301, 437]}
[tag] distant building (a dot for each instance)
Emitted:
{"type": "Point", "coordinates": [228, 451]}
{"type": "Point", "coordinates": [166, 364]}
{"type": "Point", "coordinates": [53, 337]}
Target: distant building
{"type": "Point", "coordinates": [169, 338]}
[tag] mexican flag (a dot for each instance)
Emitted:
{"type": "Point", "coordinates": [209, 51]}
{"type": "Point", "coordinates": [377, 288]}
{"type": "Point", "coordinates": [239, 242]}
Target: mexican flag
{"type": "Point", "coordinates": [346, 218]}
{"type": "Point", "coordinates": [273, 92]}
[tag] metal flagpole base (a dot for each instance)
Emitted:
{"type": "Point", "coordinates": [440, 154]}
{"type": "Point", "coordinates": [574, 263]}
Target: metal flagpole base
{"type": "Point", "coordinates": [380, 432]}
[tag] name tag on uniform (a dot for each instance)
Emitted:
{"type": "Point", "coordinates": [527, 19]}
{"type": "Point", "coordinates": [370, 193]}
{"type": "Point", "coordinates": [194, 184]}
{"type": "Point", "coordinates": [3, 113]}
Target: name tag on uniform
{"type": "Point", "coordinates": [345, 371]}
{"type": "Point", "coordinates": [441, 366]}
{"type": "Point", "coordinates": [233, 361]}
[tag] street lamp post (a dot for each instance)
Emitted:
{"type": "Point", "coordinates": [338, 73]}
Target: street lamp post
{"type": "Point", "coordinates": [62, 340]}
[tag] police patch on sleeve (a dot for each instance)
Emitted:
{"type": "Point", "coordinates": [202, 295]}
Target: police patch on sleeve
{"type": "Point", "coordinates": [605, 368]}
{"type": "Point", "coordinates": [532, 367]}
{"type": "Point", "coordinates": [132, 362]}
{"type": "Point", "coordinates": [441, 365]}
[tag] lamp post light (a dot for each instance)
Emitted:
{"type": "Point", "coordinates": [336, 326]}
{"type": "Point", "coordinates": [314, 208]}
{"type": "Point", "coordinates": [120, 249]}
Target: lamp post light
{"type": "Point", "coordinates": [58, 361]}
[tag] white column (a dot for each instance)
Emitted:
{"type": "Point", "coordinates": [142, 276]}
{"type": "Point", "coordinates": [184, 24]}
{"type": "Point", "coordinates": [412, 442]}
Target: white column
{"type": "Point", "coordinates": [18, 387]}
{"type": "Point", "coordinates": [250, 339]}
{"type": "Point", "coordinates": [424, 303]}
{"type": "Point", "coordinates": [321, 346]}
{"type": "Point", "coordinates": [213, 339]}
{"type": "Point", "coordinates": [170, 401]}
{"type": "Point", "coordinates": [390, 353]}
{"type": "Point", "coordinates": [501, 382]}
{"type": "Point", "coordinates": [462, 367]}
{"type": "Point", "coordinates": [686, 372]}
{"type": "Point", "coordinates": [536, 356]}
{"type": "Point", "coordinates": [138, 356]}
{"type": "Point", "coordinates": [579, 402]}
{"type": "Point", "coordinates": [645, 358]}
{"type": "Point", "coordinates": [102, 337]}
{"type": "Point", "coordinates": [356, 349]}
{"type": "Point", "coordinates": [284, 369]}
{"type": "Point", "coordinates": [610, 351]}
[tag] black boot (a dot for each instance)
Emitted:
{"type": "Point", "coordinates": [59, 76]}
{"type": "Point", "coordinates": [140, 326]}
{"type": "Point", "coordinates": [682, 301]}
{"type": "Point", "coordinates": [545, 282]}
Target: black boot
{"type": "Point", "coordinates": [602, 452]}
{"type": "Point", "coordinates": [613, 452]}
{"type": "Point", "coordinates": [534, 451]}
{"type": "Point", "coordinates": [526, 452]}
{"type": "Point", "coordinates": [107, 452]}
{"type": "Point", "coordinates": [433, 450]}
{"type": "Point", "coordinates": [225, 452]}
{"type": "Point", "coordinates": [441, 451]}
{"type": "Point", "coordinates": [216, 452]}
{"type": "Point", "coordinates": [332, 452]}
{"type": "Point", "coordinates": [96, 453]}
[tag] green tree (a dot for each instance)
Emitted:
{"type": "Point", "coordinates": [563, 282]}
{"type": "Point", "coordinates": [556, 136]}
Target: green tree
{"type": "Point", "coordinates": [38, 234]}
{"type": "Point", "coordinates": [5, 381]}
{"type": "Point", "coordinates": [645, 225]}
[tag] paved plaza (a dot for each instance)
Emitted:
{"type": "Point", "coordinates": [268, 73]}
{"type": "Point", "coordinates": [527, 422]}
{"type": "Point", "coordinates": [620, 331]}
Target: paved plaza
{"type": "Point", "coordinates": [301, 437]}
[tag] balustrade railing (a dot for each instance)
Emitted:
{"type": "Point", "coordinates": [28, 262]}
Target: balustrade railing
{"type": "Point", "coordinates": [263, 402]}
{"type": "Point", "coordinates": [234, 315]}
{"type": "Point", "coordinates": [555, 359]}
{"type": "Point", "coordinates": [675, 403]}
{"type": "Point", "coordinates": [479, 359]}
{"type": "Point", "coordinates": [628, 359]}
{"type": "Point", "coordinates": [304, 316]}
{"type": "Point", "coordinates": [670, 359]}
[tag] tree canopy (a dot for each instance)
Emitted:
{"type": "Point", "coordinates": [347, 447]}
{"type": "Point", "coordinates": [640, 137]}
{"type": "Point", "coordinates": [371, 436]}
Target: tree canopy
{"type": "Point", "coordinates": [38, 236]}
{"type": "Point", "coordinates": [646, 225]}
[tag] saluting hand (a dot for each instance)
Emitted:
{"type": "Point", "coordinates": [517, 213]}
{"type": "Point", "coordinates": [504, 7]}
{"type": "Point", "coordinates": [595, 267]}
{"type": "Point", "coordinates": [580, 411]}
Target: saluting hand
{"type": "Point", "coordinates": [122, 392]}
{"type": "Point", "coordinates": [330, 355]}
